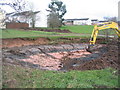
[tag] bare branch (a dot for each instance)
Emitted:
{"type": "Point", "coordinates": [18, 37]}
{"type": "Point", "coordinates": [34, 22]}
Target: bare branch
{"type": "Point", "coordinates": [17, 5]}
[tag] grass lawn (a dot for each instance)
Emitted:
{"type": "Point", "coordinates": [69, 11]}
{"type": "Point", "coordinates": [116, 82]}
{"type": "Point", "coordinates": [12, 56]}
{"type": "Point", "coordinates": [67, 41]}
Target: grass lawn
{"type": "Point", "coordinates": [83, 29]}
{"type": "Point", "coordinates": [79, 31]}
{"type": "Point", "coordinates": [12, 33]}
{"type": "Point", "coordinates": [21, 77]}
{"type": "Point", "coordinates": [79, 28]}
{"type": "Point", "coordinates": [9, 33]}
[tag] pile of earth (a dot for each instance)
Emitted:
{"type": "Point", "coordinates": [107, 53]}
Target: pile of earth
{"type": "Point", "coordinates": [107, 59]}
{"type": "Point", "coordinates": [49, 30]}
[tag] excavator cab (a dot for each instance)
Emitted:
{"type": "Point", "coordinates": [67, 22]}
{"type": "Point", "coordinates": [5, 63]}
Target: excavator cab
{"type": "Point", "coordinates": [97, 28]}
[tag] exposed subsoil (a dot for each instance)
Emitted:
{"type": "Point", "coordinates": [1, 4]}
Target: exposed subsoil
{"type": "Point", "coordinates": [49, 30]}
{"type": "Point", "coordinates": [19, 42]}
{"type": "Point", "coordinates": [61, 56]}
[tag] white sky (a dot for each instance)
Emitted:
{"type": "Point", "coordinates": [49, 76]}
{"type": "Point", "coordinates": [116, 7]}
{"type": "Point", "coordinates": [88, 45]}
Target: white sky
{"type": "Point", "coordinates": [94, 9]}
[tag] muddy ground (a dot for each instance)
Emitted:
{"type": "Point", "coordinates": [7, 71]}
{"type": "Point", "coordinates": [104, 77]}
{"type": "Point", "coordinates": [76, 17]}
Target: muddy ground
{"type": "Point", "coordinates": [62, 56]}
{"type": "Point", "coordinates": [49, 30]}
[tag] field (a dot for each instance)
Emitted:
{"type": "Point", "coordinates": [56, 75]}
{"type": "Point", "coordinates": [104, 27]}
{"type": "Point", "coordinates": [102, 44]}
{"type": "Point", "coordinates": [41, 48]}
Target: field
{"type": "Point", "coordinates": [76, 31]}
{"type": "Point", "coordinates": [83, 29]}
{"type": "Point", "coordinates": [42, 59]}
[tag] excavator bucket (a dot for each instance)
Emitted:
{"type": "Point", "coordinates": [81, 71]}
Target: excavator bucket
{"type": "Point", "coordinates": [92, 48]}
{"type": "Point", "coordinates": [89, 48]}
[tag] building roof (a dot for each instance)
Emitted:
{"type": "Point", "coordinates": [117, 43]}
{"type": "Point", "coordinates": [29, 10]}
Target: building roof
{"type": "Point", "coordinates": [24, 13]}
{"type": "Point", "coordinates": [103, 21]}
{"type": "Point", "coordinates": [94, 19]}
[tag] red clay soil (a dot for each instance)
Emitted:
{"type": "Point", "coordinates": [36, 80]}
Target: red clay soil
{"type": "Point", "coordinates": [53, 61]}
{"type": "Point", "coordinates": [18, 42]}
{"type": "Point", "coordinates": [73, 54]}
{"type": "Point", "coordinates": [109, 59]}
{"type": "Point", "coordinates": [44, 61]}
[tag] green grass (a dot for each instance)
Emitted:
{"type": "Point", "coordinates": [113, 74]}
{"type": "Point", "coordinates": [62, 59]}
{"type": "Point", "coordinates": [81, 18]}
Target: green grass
{"type": "Point", "coordinates": [21, 77]}
{"type": "Point", "coordinates": [84, 29]}
{"type": "Point", "coordinates": [11, 33]}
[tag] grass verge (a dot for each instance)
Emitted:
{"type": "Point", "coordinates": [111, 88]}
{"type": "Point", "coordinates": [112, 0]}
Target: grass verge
{"type": "Point", "coordinates": [21, 77]}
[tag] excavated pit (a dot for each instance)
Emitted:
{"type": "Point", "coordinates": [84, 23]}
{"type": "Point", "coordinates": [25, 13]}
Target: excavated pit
{"type": "Point", "coordinates": [61, 56]}
{"type": "Point", "coordinates": [52, 57]}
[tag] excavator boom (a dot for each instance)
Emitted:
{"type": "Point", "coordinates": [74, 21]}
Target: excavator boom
{"type": "Point", "coordinates": [102, 26]}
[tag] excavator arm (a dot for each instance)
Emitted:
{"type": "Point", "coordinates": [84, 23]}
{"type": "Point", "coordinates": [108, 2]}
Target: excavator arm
{"type": "Point", "coordinates": [102, 26]}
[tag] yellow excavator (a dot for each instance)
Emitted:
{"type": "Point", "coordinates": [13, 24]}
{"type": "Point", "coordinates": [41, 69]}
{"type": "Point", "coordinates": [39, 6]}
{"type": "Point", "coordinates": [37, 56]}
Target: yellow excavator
{"type": "Point", "coordinates": [102, 26]}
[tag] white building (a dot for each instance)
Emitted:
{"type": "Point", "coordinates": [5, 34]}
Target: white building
{"type": "Point", "coordinates": [2, 20]}
{"type": "Point", "coordinates": [82, 21]}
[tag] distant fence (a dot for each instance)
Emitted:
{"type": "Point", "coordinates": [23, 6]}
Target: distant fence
{"type": "Point", "coordinates": [13, 25]}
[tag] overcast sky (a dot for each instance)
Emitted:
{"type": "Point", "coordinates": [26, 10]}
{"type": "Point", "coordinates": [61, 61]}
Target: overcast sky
{"type": "Point", "coordinates": [94, 9]}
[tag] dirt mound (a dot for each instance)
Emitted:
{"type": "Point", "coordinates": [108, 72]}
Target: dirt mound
{"type": "Point", "coordinates": [109, 59]}
{"type": "Point", "coordinates": [49, 30]}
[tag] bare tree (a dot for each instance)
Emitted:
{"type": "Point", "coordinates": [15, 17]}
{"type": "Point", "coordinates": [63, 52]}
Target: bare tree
{"type": "Point", "coordinates": [114, 19]}
{"type": "Point", "coordinates": [33, 17]}
{"type": "Point", "coordinates": [107, 32]}
{"type": "Point", "coordinates": [17, 5]}
{"type": "Point", "coordinates": [2, 19]}
{"type": "Point", "coordinates": [22, 9]}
